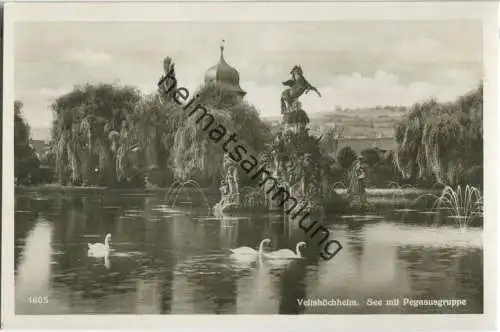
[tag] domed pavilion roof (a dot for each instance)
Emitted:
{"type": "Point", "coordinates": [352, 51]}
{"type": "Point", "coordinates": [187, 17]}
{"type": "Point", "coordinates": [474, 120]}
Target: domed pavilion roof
{"type": "Point", "coordinates": [223, 73]}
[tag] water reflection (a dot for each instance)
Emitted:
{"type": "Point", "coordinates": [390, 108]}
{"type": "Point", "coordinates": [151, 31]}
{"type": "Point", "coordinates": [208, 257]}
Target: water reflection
{"type": "Point", "coordinates": [148, 297]}
{"type": "Point", "coordinates": [165, 260]}
{"type": "Point", "coordinates": [34, 272]}
{"type": "Point", "coordinates": [256, 292]}
{"type": "Point", "coordinates": [104, 259]}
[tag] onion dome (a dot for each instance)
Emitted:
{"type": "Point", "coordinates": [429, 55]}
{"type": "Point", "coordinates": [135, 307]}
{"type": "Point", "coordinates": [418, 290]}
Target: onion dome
{"type": "Point", "coordinates": [223, 73]}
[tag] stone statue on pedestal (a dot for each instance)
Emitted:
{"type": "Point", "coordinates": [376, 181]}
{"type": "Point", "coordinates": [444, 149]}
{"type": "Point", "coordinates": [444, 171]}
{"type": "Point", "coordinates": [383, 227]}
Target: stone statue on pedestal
{"type": "Point", "coordinates": [230, 195]}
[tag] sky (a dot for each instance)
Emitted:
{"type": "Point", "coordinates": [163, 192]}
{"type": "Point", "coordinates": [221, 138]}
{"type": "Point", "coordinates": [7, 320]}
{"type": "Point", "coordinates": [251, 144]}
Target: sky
{"type": "Point", "coordinates": [353, 64]}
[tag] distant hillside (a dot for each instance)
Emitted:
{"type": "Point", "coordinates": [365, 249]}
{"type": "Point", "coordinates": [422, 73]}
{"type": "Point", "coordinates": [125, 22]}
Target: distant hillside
{"type": "Point", "coordinates": [40, 147]}
{"type": "Point", "coordinates": [40, 134]}
{"type": "Point", "coordinates": [359, 144]}
{"type": "Point", "coordinates": [366, 122]}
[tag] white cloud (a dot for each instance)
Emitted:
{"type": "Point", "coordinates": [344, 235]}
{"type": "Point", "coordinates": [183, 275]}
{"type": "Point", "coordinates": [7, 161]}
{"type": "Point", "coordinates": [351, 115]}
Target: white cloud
{"type": "Point", "coordinates": [52, 92]}
{"type": "Point", "coordinates": [353, 91]}
{"type": "Point", "coordinates": [418, 47]}
{"type": "Point", "coordinates": [415, 60]}
{"type": "Point", "coordinates": [87, 57]}
{"type": "Point", "coordinates": [347, 91]}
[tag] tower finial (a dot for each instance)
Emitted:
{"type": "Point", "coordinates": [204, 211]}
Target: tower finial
{"type": "Point", "coordinates": [222, 48]}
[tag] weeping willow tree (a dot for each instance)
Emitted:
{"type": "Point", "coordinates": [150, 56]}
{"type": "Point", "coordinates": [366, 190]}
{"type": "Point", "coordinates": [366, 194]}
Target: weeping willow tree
{"type": "Point", "coordinates": [146, 146]}
{"type": "Point", "coordinates": [194, 154]}
{"type": "Point", "coordinates": [443, 142]}
{"type": "Point", "coordinates": [89, 127]}
{"type": "Point", "coordinates": [109, 135]}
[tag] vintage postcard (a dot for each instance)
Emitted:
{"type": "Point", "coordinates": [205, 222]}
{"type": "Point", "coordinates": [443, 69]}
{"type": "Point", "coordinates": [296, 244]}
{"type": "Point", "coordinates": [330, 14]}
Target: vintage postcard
{"type": "Point", "coordinates": [229, 164]}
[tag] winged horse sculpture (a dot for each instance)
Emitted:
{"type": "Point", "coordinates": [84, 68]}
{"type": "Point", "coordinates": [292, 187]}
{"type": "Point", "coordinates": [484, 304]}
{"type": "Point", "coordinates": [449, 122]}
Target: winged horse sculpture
{"type": "Point", "coordinates": [298, 85]}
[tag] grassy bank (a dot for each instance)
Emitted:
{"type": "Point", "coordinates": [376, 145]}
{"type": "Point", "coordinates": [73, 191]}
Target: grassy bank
{"type": "Point", "coordinates": [394, 192]}
{"type": "Point", "coordinates": [383, 192]}
{"type": "Point", "coordinates": [61, 188]}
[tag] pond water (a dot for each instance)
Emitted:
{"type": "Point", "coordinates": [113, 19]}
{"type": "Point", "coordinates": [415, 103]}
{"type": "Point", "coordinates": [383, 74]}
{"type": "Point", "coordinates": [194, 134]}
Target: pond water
{"type": "Point", "coordinates": [176, 260]}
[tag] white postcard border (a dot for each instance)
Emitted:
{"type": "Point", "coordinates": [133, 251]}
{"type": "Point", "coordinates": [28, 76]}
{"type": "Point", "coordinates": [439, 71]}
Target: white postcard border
{"type": "Point", "coordinates": [275, 12]}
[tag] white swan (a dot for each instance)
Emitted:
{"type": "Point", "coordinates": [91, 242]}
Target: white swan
{"type": "Point", "coordinates": [286, 253]}
{"type": "Point", "coordinates": [261, 246]}
{"type": "Point", "coordinates": [99, 249]}
{"type": "Point", "coordinates": [250, 251]}
{"type": "Point", "coordinates": [261, 251]}
{"type": "Point", "coordinates": [244, 251]}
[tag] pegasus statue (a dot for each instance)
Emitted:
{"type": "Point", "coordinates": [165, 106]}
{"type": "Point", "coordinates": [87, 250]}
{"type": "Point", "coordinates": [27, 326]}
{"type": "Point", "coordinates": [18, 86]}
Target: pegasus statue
{"type": "Point", "coordinates": [297, 86]}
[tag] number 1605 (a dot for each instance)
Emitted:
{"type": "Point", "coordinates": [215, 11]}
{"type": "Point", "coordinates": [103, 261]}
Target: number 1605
{"type": "Point", "coordinates": [38, 300]}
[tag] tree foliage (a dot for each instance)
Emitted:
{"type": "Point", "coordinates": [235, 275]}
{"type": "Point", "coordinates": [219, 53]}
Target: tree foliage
{"type": "Point", "coordinates": [90, 124]}
{"type": "Point", "coordinates": [442, 142]}
{"type": "Point", "coordinates": [296, 115]}
{"type": "Point", "coordinates": [300, 161]}
{"type": "Point", "coordinates": [112, 135]}
{"type": "Point", "coordinates": [380, 168]}
{"type": "Point", "coordinates": [346, 156]}
{"type": "Point", "coordinates": [26, 162]}
{"type": "Point", "coordinates": [146, 150]}
{"type": "Point", "coordinates": [194, 153]}
{"type": "Point", "coordinates": [330, 138]}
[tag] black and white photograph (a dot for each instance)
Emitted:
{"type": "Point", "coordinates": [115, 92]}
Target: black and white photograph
{"type": "Point", "coordinates": [188, 159]}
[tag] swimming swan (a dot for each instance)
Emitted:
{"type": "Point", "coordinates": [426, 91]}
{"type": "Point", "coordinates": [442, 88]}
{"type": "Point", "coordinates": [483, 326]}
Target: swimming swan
{"type": "Point", "coordinates": [261, 250]}
{"type": "Point", "coordinates": [99, 249]}
{"type": "Point", "coordinates": [244, 251]}
{"type": "Point", "coordinates": [286, 253]}
{"type": "Point", "coordinates": [261, 246]}
{"type": "Point", "coordinates": [250, 251]}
